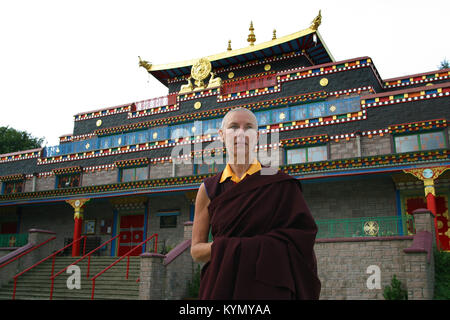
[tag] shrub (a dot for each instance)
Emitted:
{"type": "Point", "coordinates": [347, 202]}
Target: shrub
{"type": "Point", "coordinates": [442, 275]}
{"type": "Point", "coordinates": [395, 291]}
{"type": "Point", "coordinates": [194, 285]}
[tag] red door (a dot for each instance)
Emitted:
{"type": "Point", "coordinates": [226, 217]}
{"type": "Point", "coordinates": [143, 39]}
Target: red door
{"type": "Point", "coordinates": [131, 234]}
{"type": "Point", "coordinates": [442, 214]}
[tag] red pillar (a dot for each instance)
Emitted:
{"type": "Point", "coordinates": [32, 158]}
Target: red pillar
{"type": "Point", "coordinates": [78, 223]}
{"type": "Point", "coordinates": [78, 205]}
{"type": "Point", "coordinates": [431, 205]}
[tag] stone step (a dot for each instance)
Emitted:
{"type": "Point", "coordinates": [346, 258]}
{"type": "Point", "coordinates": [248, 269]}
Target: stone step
{"type": "Point", "coordinates": [112, 284]}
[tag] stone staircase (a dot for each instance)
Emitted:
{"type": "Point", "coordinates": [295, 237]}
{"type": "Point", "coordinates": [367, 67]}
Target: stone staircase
{"type": "Point", "coordinates": [112, 285]}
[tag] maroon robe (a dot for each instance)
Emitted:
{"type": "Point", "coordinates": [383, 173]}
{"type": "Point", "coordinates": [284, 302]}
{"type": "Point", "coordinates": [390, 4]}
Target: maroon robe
{"type": "Point", "coordinates": [263, 241]}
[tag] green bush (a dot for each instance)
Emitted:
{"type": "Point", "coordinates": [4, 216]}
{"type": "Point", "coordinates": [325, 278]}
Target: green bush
{"type": "Point", "coordinates": [442, 275]}
{"type": "Point", "coordinates": [395, 291]}
{"type": "Point", "coordinates": [194, 285]}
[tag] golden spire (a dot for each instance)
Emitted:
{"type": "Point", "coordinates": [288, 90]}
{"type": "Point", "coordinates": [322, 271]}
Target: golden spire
{"type": "Point", "coordinates": [229, 45]}
{"type": "Point", "coordinates": [274, 34]}
{"type": "Point", "coordinates": [317, 21]}
{"type": "Point", "coordinates": [251, 37]}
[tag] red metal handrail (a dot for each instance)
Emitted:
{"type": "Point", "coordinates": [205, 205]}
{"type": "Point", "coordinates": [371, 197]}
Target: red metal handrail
{"type": "Point", "coordinates": [155, 247]}
{"type": "Point", "coordinates": [52, 278]}
{"type": "Point", "coordinates": [45, 259]}
{"type": "Point", "coordinates": [27, 251]}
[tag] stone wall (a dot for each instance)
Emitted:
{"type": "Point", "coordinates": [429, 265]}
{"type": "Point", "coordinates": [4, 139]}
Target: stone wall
{"type": "Point", "coordinates": [168, 237]}
{"type": "Point", "coordinates": [351, 198]}
{"type": "Point", "coordinates": [45, 183]}
{"type": "Point", "coordinates": [344, 149]}
{"type": "Point", "coordinates": [161, 170]}
{"type": "Point", "coordinates": [99, 177]}
{"type": "Point", "coordinates": [376, 145]}
{"type": "Point", "coordinates": [344, 265]}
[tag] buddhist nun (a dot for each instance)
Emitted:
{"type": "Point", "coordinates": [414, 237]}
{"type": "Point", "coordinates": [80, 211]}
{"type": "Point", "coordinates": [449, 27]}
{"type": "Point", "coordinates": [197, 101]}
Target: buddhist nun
{"type": "Point", "coordinates": [263, 232]}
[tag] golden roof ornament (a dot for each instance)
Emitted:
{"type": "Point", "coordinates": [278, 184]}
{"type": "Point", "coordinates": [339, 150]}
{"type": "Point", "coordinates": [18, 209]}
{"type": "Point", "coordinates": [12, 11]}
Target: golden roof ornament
{"type": "Point", "coordinates": [145, 64]}
{"type": "Point", "coordinates": [274, 36]}
{"type": "Point", "coordinates": [251, 37]}
{"type": "Point", "coordinates": [317, 21]}
{"type": "Point", "coordinates": [200, 71]}
{"type": "Point", "coordinates": [229, 45]}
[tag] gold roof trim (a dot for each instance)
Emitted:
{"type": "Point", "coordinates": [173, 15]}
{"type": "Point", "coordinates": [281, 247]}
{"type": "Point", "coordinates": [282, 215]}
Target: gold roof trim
{"type": "Point", "coordinates": [237, 52]}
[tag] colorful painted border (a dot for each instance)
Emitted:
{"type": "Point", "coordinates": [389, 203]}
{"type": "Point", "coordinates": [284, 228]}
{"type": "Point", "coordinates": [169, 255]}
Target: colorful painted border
{"type": "Point", "coordinates": [68, 170]}
{"type": "Point", "coordinates": [417, 78]}
{"type": "Point", "coordinates": [132, 163]}
{"type": "Point", "coordinates": [408, 95]}
{"type": "Point", "coordinates": [305, 168]}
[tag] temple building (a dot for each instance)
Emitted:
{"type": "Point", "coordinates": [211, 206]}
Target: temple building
{"type": "Point", "coordinates": [368, 151]}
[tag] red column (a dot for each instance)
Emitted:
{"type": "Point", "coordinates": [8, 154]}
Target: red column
{"type": "Point", "coordinates": [78, 205]}
{"type": "Point", "coordinates": [78, 223]}
{"type": "Point", "coordinates": [431, 205]}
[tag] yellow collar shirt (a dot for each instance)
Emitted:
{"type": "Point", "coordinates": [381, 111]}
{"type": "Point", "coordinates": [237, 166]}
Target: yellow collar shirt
{"type": "Point", "coordinates": [228, 172]}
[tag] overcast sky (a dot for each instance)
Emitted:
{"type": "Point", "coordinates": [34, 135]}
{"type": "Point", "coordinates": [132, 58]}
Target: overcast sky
{"type": "Point", "coordinates": [60, 58]}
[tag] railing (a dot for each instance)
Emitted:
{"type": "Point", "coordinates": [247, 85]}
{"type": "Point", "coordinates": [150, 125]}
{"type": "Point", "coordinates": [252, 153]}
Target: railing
{"type": "Point", "coordinates": [168, 100]}
{"type": "Point", "coordinates": [52, 278]}
{"type": "Point", "coordinates": [249, 84]}
{"type": "Point", "coordinates": [53, 255]}
{"type": "Point", "coordinates": [155, 247]}
{"type": "Point", "coordinates": [13, 239]}
{"type": "Point", "coordinates": [27, 251]}
{"type": "Point", "coordinates": [365, 227]}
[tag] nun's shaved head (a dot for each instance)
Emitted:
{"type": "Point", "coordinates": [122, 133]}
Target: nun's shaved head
{"type": "Point", "coordinates": [239, 109]}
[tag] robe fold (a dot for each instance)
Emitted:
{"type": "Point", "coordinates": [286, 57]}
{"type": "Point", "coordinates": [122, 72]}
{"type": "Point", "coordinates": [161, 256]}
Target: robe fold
{"type": "Point", "coordinates": [263, 239]}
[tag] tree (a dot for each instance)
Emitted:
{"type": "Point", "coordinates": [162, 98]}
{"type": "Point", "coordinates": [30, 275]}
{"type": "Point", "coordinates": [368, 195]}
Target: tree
{"type": "Point", "coordinates": [444, 64]}
{"type": "Point", "coordinates": [12, 140]}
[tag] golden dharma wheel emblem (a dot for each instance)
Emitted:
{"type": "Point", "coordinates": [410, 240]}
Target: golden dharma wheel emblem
{"type": "Point", "coordinates": [201, 69]}
{"type": "Point", "coordinates": [98, 123]}
{"type": "Point", "coordinates": [197, 105]}
{"type": "Point", "coordinates": [155, 135]}
{"type": "Point", "coordinates": [323, 82]}
{"type": "Point", "coordinates": [267, 67]}
{"type": "Point", "coordinates": [231, 75]}
{"type": "Point", "coordinates": [371, 228]}
{"type": "Point", "coordinates": [333, 108]}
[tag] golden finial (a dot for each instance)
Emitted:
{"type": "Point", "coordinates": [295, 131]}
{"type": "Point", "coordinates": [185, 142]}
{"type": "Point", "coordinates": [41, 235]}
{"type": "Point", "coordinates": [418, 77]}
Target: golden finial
{"type": "Point", "coordinates": [145, 64]}
{"type": "Point", "coordinates": [251, 37]}
{"type": "Point", "coordinates": [274, 34]}
{"type": "Point", "coordinates": [317, 21]}
{"type": "Point", "coordinates": [229, 45]}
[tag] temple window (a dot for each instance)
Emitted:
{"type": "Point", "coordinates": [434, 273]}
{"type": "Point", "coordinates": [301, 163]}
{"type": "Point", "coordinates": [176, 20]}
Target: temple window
{"type": "Point", "coordinates": [419, 142]}
{"type": "Point", "coordinates": [134, 174]}
{"type": "Point", "coordinates": [306, 154]}
{"type": "Point", "coordinates": [168, 219]}
{"type": "Point", "coordinates": [10, 187]}
{"type": "Point", "coordinates": [68, 180]}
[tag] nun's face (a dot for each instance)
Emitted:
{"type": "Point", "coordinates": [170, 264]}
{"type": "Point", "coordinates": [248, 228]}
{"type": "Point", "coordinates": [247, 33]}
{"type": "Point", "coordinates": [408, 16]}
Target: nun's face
{"type": "Point", "coordinates": [240, 136]}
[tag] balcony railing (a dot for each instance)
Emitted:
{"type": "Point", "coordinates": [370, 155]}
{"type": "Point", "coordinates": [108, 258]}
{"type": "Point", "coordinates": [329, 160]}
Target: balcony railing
{"type": "Point", "coordinates": [365, 227]}
{"type": "Point", "coordinates": [168, 100]}
{"type": "Point", "coordinates": [249, 84]}
{"type": "Point", "coordinates": [13, 240]}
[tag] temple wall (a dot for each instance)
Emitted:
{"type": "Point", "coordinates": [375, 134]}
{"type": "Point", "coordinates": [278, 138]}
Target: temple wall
{"type": "Point", "coordinates": [161, 170]}
{"type": "Point", "coordinates": [169, 237]}
{"type": "Point", "coordinates": [344, 149]}
{"type": "Point", "coordinates": [349, 272]}
{"type": "Point", "coordinates": [56, 217]}
{"type": "Point", "coordinates": [99, 177]}
{"type": "Point", "coordinates": [45, 183]}
{"type": "Point", "coordinates": [352, 198]}
{"type": "Point", "coordinates": [377, 145]}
